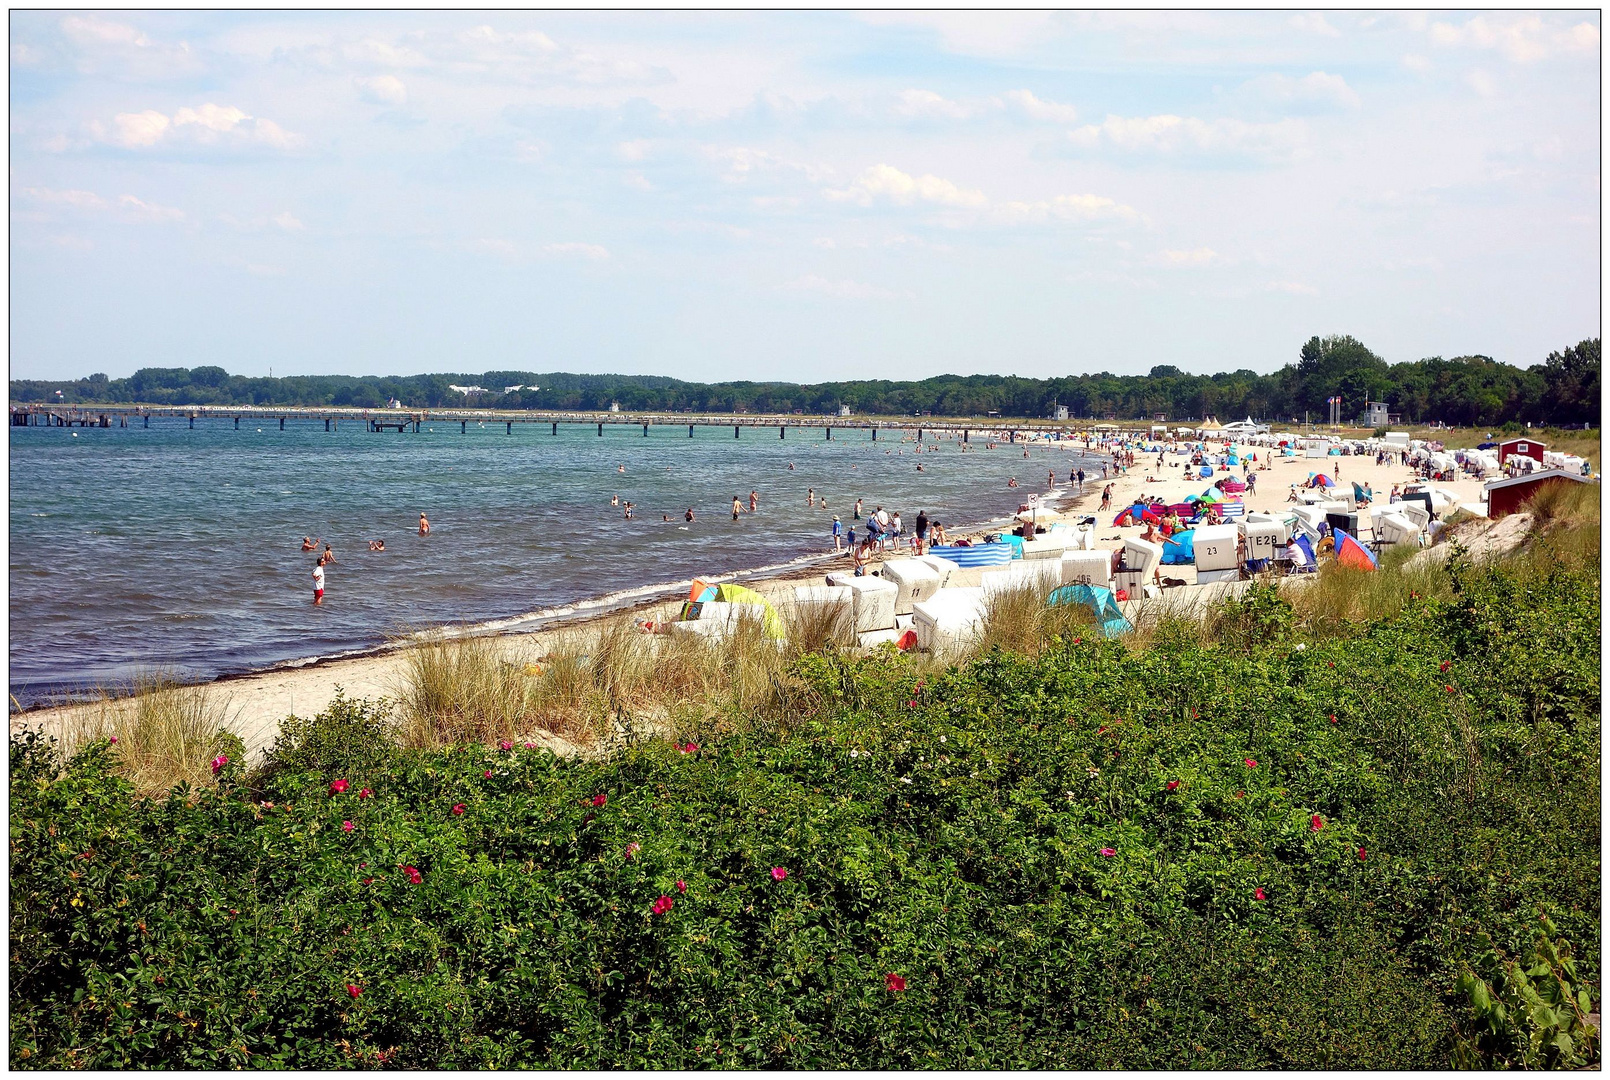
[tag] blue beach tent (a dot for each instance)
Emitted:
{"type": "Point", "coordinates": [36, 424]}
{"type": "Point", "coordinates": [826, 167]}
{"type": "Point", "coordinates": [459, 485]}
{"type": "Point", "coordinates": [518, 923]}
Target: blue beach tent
{"type": "Point", "coordinates": [1100, 601]}
{"type": "Point", "coordinates": [1179, 549]}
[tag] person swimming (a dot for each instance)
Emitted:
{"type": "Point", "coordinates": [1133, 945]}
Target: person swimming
{"type": "Point", "coordinates": [377, 545]}
{"type": "Point", "coordinates": [309, 544]}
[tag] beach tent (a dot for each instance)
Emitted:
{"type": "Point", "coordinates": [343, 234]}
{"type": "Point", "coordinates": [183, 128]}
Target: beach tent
{"type": "Point", "coordinates": [1180, 549]}
{"type": "Point", "coordinates": [1100, 601]}
{"type": "Point", "coordinates": [740, 594]}
{"type": "Point", "coordinates": [1207, 470]}
{"type": "Point", "coordinates": [1349, 552]}
{"type": "Point", "coordinates": [701, 594]}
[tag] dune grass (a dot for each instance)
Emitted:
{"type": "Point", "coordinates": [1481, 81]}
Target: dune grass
{"type": "Point", "coordinates": [168, 732]}
{"type": "Point", "coordinates": [1021, 621]}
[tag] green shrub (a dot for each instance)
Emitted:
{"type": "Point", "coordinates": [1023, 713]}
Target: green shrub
{"type": "Point", "coordinates": [1196, 855]}
{"type": "Point", "coordinates": [1529, 1014]}
{"type": "Point", "coordinates": [349, 738]}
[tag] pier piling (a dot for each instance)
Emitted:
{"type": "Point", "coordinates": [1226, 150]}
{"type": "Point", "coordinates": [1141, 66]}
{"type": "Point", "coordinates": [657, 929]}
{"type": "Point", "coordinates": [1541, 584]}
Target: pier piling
{"type": "Point", "coordinates": [830, 434]}
{"type": "Point", "coordinates": [735, 431]}
{"type": "Point", "coordinates": [555, 430]}
{"type": "Point", "coordinates": [645, 431]}
{"type": "Point", "coordinates": [874, 433]}
{"type": "Point", "coordinates": [600, 431]}
{"type": "Point", "coordinates": [326, 423]}
{"type": "Point", "coordinates": [690, 431]}
{"type": "Point", "coordinates": [282, 423]}
{"type": "Point", "coordinates": [237, 423]}
{"type": "Point", "coordinates": [192, 421]}
{"type": "Point", "coordinates": [463, 426]}
{"type": "Point", "coordinates": [782, 431]}
{"type": "Point", "coordinates": [508, 428]}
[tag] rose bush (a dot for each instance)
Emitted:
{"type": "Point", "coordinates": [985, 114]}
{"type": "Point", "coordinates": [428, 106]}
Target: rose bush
{"type": "Point", "coordinates": [868, 885]}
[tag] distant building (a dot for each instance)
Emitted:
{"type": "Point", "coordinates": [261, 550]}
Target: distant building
{"type": "Point", "coordinates": [844, 410]}
{"type": "Point", "coordinates": [1521, 448]}
{"type": "Point", "coordinates": [1507, 496]}
{"type": "Point", "coordinates": [614, 406]}
{"type": "Point", "coordinates": [1376, 415]}
{"type": "Point", "coordinates": [1059, 412]}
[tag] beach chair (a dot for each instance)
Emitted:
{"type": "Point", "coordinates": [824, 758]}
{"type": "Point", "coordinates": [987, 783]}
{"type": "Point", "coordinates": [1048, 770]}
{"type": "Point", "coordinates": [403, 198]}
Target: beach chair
{"type": "Point", "coordinates": [1312, 566]}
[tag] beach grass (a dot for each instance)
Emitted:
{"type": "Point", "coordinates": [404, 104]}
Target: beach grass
{"type": "Point", "coordinates": [168, 732]}
{"type": "Point", "coordinates": [459, 691]}
{"type": "Point", "coordinates": [1020, 620]}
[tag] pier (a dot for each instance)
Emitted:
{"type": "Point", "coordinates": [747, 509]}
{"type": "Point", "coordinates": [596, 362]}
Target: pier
{"type": "Point", "coordinates": [414, 420]}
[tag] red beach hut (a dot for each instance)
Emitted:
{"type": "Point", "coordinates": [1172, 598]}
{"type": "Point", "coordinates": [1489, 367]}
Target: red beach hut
{"type": "Point", "coordinates": [1520, 447]}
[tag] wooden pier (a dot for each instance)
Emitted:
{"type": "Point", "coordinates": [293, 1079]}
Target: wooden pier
{"type": "Point", "coordinates": [402, 420]}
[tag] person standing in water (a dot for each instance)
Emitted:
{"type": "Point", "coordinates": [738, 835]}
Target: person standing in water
{"type": "Point", "coordinates": [424, 526]}
{"type": "Point", "coordinates": [838, 534]}
{"type": "Point", "coordinates": [318, 582]}
{"type": "Point", "coordinates": [754, 501]}
{"type": "Point", "coordinates": [736, 508]}
{"type": "Point", "coordinates": [857, 515]}
{"type": "Point", "coordinates": [689, 514]}
{"type": "Point", "coordinates": [810, 496]}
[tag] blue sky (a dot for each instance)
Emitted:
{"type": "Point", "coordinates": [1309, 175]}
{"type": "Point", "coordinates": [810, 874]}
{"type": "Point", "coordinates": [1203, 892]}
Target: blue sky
{"type": "Point", "coordinates": [799, 196]}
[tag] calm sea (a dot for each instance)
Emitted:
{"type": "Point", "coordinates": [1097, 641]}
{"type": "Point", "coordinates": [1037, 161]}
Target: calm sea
{"type": "Point", "coordinates": [135, 548]}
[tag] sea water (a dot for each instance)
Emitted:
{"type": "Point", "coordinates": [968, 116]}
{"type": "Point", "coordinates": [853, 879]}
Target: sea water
{"type": "Point", "coordinates": [176, 548]}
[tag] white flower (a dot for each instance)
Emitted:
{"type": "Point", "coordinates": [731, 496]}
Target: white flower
{"type": "Point", "coordinates": [941, 738]}
{"type": "Point", "coordinates": [1301, 646]}
{"type": "Point", "coordinates": [905, 779]}
{"type": "Point", "coordinates": [855, 753]}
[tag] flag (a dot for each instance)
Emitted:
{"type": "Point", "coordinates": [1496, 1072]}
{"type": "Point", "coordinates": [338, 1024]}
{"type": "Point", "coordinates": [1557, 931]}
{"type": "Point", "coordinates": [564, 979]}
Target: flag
{"type": "Point", "coordinates": [1349, 552]}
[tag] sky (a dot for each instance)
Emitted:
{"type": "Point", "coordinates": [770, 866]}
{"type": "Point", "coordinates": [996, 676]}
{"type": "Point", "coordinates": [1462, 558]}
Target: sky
{"type": "Point", "coordinates": [794, 195]}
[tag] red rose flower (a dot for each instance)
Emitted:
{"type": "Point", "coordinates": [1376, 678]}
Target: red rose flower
{"type": "Point", "coordinates": [1171, 785]}
{"type": "Point", "coordinates": [662, 905]}
{"type": "Point", "coordinates": [632, 849]}
{"type": "Point", "coordinates": [505, 745]}
{"type": "Point", "coordinates": [458, 808]}
{"type": "Point", "coordinates": [1257, 894]}
{"type": "Point", "coordinates": [346, 826]}
{"type": "Point", "coordinates": [1445, 665]}
{"type": "Point", "coordinates": [488, 774]}
{"type": "Point", "coordinates": [414, 876]}
{"type": "Point", "coordinates": [354, 991]}
{"type": "Point", "coordinates": [778, 873]}
{"type": "Point", "coordinates": [364, 793]}
{"type": "Point", "coordinates": [1251, 763]}
{"type": "Point", "coordinates": [1316, 823]}
{"type": "Point", "coordinates": [338, 787]}
{"type": "Point", "coordinates": [1360, 854]}
{"type": "Point", "coordinates": [1108, 852]}
{"type": "Point", "coordinates": [681, 886]}
{"type": "Point", "coordinates": [1449, 689]}
{"type": "Point", "coordinates": [1333, 718]}
{"type": "Point", "coordinates": [895, 983]}
{"type": "Point", "coordinates": [600, 800]}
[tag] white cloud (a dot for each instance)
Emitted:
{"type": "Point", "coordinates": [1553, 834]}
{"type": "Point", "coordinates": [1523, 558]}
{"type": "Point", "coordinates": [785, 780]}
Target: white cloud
{"type": "Point", "coordinates": [927, 105]}
{"type": "Point", "coordinates": [1168, 134]}
{"type": "Point", "coordinates": [1067, 208]}
{"type": "Point", "coordinates": [1195, 257]}
{"type": "Point", "coordinates": [742, 162]}
{"type": "Point", "coordinates": [974, 33]}
{"type": "Point", "coordinates": [140, 129]}
{"type": "Point", "coordinates": [1024, 102]}
{"type": "Point", "coordinates": [826, 242]}
{"type": "Point", "coordinates": [1314, 23]}
{"type": "Point", "coordinates": [1416, 63]}
{"type": "Point", "coordinates": [382, 89]}
{"type": "Point", "coordinates": [1294, 288]}
{"type": "Point", "coordinates": [78, 200]}
{"type": "Point", "coordinates": [637, 182]}
{"type": "Point", "coordinates": [886, 181]}
{"type": "Point", "coordinates": [635, 150]}
{"type": "Point", "coordinates": [596, 252]}
{"type": "Point", "coordinates": [207, 125]}
{"type": "Point", "coordinates": [287, 221]}
{"type": "Point", "coordinates": [139, 210]}
{"type": "Point", "coordinates": [1314, 89]}
{"type": "Point", "coordinates": [1481, 82]}
{"type": "Point", "coordinates": [86, 29]}
{"type": "Point", "coordinates": [1523, 40]}
{"type": "Point", "coordinates": [843, 290]}
{"type": "Point", "coordinates": [373, 51]}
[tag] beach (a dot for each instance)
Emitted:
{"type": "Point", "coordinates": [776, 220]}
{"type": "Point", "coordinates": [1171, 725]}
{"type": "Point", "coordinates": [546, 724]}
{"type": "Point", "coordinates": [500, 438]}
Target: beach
{"type": "Point", "coordinates": [256, 702]}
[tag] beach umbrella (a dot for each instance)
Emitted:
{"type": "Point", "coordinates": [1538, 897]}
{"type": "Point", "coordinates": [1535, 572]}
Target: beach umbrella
{"type": "Point", "coordinates": [1349, 552]}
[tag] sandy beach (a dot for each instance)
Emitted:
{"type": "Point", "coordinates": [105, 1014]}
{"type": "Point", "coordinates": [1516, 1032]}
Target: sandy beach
{"type": "Point", "coordinates": [257, 702]}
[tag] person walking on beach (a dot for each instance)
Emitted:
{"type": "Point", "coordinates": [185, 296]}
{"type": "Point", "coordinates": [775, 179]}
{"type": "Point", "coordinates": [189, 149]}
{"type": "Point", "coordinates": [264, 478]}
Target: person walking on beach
{"type": "Point", "coordinates": [896, 530]}
{"type": "Point", "coordinates": [921, 529]}
{"type": "Point", "coordinates": [1106, 497]}
{"type": "Point", "coordinates": [318, 582]}
{"type": "Point", "coordinates": [424, 526]}
{"type": "Point", "coordinates": [838, 534]}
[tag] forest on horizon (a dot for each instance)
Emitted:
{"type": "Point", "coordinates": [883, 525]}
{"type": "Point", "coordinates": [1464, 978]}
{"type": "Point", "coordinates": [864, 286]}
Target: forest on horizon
{"type": "Point", "coordinates": [1562, 389]}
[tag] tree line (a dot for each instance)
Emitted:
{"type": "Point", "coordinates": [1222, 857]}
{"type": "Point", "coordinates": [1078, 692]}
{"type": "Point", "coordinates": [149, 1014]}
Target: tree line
{"type": "Point", "coordinates": [1466, 390]}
